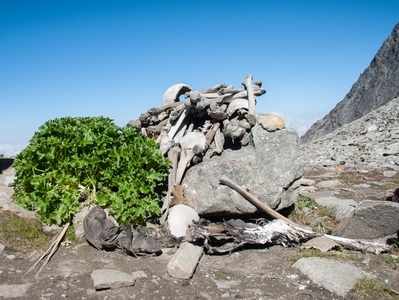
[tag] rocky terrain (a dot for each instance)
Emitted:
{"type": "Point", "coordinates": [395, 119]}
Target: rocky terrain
{"type": "Point", "coordinates": [342, 184]}
{"type": "Point", "coordinates": [377, 85]}
{"type": "Point", "coordinates": [329, 194]}
{"type": "Point", "coordinates": [370, 142]}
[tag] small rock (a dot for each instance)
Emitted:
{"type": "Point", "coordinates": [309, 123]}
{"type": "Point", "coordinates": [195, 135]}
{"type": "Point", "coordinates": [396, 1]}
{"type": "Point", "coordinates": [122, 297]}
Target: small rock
{"type": "Point", "coordinates": [370, 220]}
{"type": "Point", "coordinates": [337, 277]}
{"type": "Point", "coordinates": [389, 173]}
{"type": "Point", "coordinates": [320, 243]}
{"type": "Point", "coordinates": [2, 247]}
{"type": "Point", "coordinates": [226, 284]}
{"type": "Point", "coordinates": [8, 291]}
{"type": "Point", "coordinates": [139, 274]}
{"type": "Point", "coordinates": [329, 184]}
{"type": "Point", "coordinates": [341, 208]}
{"type": "Point", "coordinates": [10, 257]}
{"type": "Point", "coordinates": [271, 122]}
{"type": "Point", "coordinates": [180, 217]}
{"type": "Point", "coordinates": [111, 279]}
{"type": "Point", "coordinates": [183, 263]}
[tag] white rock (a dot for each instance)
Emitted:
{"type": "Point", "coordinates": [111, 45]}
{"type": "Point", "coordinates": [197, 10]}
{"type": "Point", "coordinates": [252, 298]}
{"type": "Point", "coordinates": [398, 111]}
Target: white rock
{"type": "Point", "coordinates": [111, 279]}
{"type": "Point", "coordinates": [320, 243]}
{"type": "Point", "coordinates": [337, 277]}
{"type": "Point", "coordinates": [2, 247]}
{"type": "Point", "coordinates": [184, 261]}
{"type": "Point", "coordinates": [180, 217]}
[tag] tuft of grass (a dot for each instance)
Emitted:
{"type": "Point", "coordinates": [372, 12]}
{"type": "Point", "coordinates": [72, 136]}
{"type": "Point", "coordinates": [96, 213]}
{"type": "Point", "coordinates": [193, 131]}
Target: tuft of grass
{"type": "Point", "coordinates": [307, 211]}
{"type": "Point", "coordinates": [21, 234]}
{"type": "Point", "coordinates": [339, 255]}
{"type": "Point", "coordinates": [369, 288]}
{"type": "Point", "coordinates": [392, 261]}
{"type": "Point", "coordinates": [70, 234]}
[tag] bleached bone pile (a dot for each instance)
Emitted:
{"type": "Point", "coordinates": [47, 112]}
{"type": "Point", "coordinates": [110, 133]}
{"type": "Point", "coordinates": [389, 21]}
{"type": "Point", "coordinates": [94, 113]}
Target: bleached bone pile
{"type": "Point", "coordinates": [206, 120]}
{"type": "Point", "coordinates": [191, 124]}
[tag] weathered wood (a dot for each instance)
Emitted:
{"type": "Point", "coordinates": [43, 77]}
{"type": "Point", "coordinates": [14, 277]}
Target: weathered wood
{"type": "Point", "coordinates": [176, 127]}
{"type": "Point", "coordinates": [254, 200]}
{"type": "Point", "coordinates": [251, 96]}
{"type": "Point", "coordinates": [173, 156]}
{"type": "Point", "coordinates": [294, 229]}
{"type": "Point", "coordinates": [219, 141]}
{"type": "Point", "coordinates": [211, 133]}
{"type": "Point", "coordinates": [192, 143]}
{"type": "Point", "coordinates": [185, 159]}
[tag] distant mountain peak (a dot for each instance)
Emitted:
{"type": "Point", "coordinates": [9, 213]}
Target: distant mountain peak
{"type": "Point", "coordinates": [376, 86]}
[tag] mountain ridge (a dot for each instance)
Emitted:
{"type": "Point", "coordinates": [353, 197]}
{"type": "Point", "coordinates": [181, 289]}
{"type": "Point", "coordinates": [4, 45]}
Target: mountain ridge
{"type": "Point", "coordinates": [377, 85]}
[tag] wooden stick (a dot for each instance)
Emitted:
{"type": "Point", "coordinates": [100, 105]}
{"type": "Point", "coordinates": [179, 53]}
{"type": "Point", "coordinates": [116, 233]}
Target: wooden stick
{"type": "Point", "coordinates": [211, 133]}
{"type": "Point", "coordinates": [255, 201]}
{"type": "Point", "coordinates": [373, 246]}
{"type": "Point", "coordinates": [251, 97]}
{"type": "Point", "coordinates": [54, 248]}
{"type": "Point", "coordinates": [45, 253]}
{"type": "Point", "coordinates": [175, 128]}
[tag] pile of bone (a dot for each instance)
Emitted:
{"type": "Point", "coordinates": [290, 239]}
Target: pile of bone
{"type": "Point", "coordinates": [191, 124]}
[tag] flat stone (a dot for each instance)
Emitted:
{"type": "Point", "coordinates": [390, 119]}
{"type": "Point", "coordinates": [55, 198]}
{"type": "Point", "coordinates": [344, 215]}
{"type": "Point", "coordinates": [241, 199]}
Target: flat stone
{"type": "Point", "coordinates": [184, 261]}
{"type": "Point", "coordinates": [329, 184]}
{"type": "Point", "coordinates": [2, 247]}
{"type": "Point", "coordinates": [139, 274]}
{"type": "Point", "coordinates": [320, 243]}
{"type": "Point", "coordinates": [180, 217]}
{"type": "Point", "coordinates": [370, 220]}
{"type": "Point", "coordinates": [111, 279]}
{"type": "Point", "coordinates": [8, 291]}
{"type": "Point", "coordinates": [389, 173]}
{"type": "Point", "coordinates": [335, 276]}
{"type": "Point", "coordinates": [269, 168]}
{"type": "Point", "coordinates": [341, 208]}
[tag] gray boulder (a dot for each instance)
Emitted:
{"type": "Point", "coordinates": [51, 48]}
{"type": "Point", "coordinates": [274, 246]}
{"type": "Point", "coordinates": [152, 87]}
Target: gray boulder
{"type": "Point", "coordinates": [371, 219]}
{"type": "Point", "coordinates": [269, 167]}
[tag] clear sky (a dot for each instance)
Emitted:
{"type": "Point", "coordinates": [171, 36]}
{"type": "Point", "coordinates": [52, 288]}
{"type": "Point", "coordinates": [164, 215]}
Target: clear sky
{"type": "Point", "coordinates": [115, 58]}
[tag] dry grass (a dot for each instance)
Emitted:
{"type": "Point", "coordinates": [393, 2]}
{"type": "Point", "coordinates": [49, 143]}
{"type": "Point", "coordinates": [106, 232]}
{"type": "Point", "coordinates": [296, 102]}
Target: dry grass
{"type": "Point", "coordinates": [21, 234]}
{"type": "Point", "coordinates": [369, 288]}
{"type": "Point", "coordinates": [308, 212]}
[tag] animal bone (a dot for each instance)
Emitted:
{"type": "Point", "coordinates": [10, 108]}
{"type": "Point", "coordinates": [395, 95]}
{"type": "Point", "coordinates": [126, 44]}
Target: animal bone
{"type": "Point", "coordinates": [175, 128]}
{"type": "Point", "coordinates": [192, 143]}
{"type": "Point", "coordinates": [251, 97]}
{"type": "Point", "coordinates": [373, 246]}
{"type": "Point", "coordinates": [173, 93]}
{"type": "Point", "coordinates": [219, 141]}
{"type": "Point", "coordinates": [237, 104]}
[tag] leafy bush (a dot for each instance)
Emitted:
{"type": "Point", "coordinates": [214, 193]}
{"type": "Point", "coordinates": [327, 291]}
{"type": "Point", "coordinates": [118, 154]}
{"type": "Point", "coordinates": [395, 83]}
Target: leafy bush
{"type": "Point", "coordinates": [68, 155]}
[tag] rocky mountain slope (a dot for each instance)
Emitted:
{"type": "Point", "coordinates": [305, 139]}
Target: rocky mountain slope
{"type": "Point", "coordinates": [377, 85]}
{"type": "Point", "coordinates": [371, 141]}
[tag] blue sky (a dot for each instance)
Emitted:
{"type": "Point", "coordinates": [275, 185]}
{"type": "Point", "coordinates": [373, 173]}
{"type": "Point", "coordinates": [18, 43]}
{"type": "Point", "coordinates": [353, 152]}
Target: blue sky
{"type": "Point", "coordinates": [115, 58]}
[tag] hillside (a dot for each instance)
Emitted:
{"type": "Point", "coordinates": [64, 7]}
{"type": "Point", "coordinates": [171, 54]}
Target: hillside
{"type": "Point", "coordinates": [370, 141]}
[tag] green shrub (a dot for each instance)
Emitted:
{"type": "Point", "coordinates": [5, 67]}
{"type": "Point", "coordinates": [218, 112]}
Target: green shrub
{"type": "Point", "coordinates": [68, 155]}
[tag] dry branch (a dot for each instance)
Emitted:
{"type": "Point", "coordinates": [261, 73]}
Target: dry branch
{"type": "Point", "coordinates": [374, 246]}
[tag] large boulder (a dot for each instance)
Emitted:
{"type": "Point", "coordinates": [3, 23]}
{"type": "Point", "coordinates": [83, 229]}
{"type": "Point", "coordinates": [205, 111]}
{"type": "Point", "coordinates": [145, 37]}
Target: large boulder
{"type": "Point", "coordinates": [269, 167]}
{"type": "Point", "coordinates": [370, 220]}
